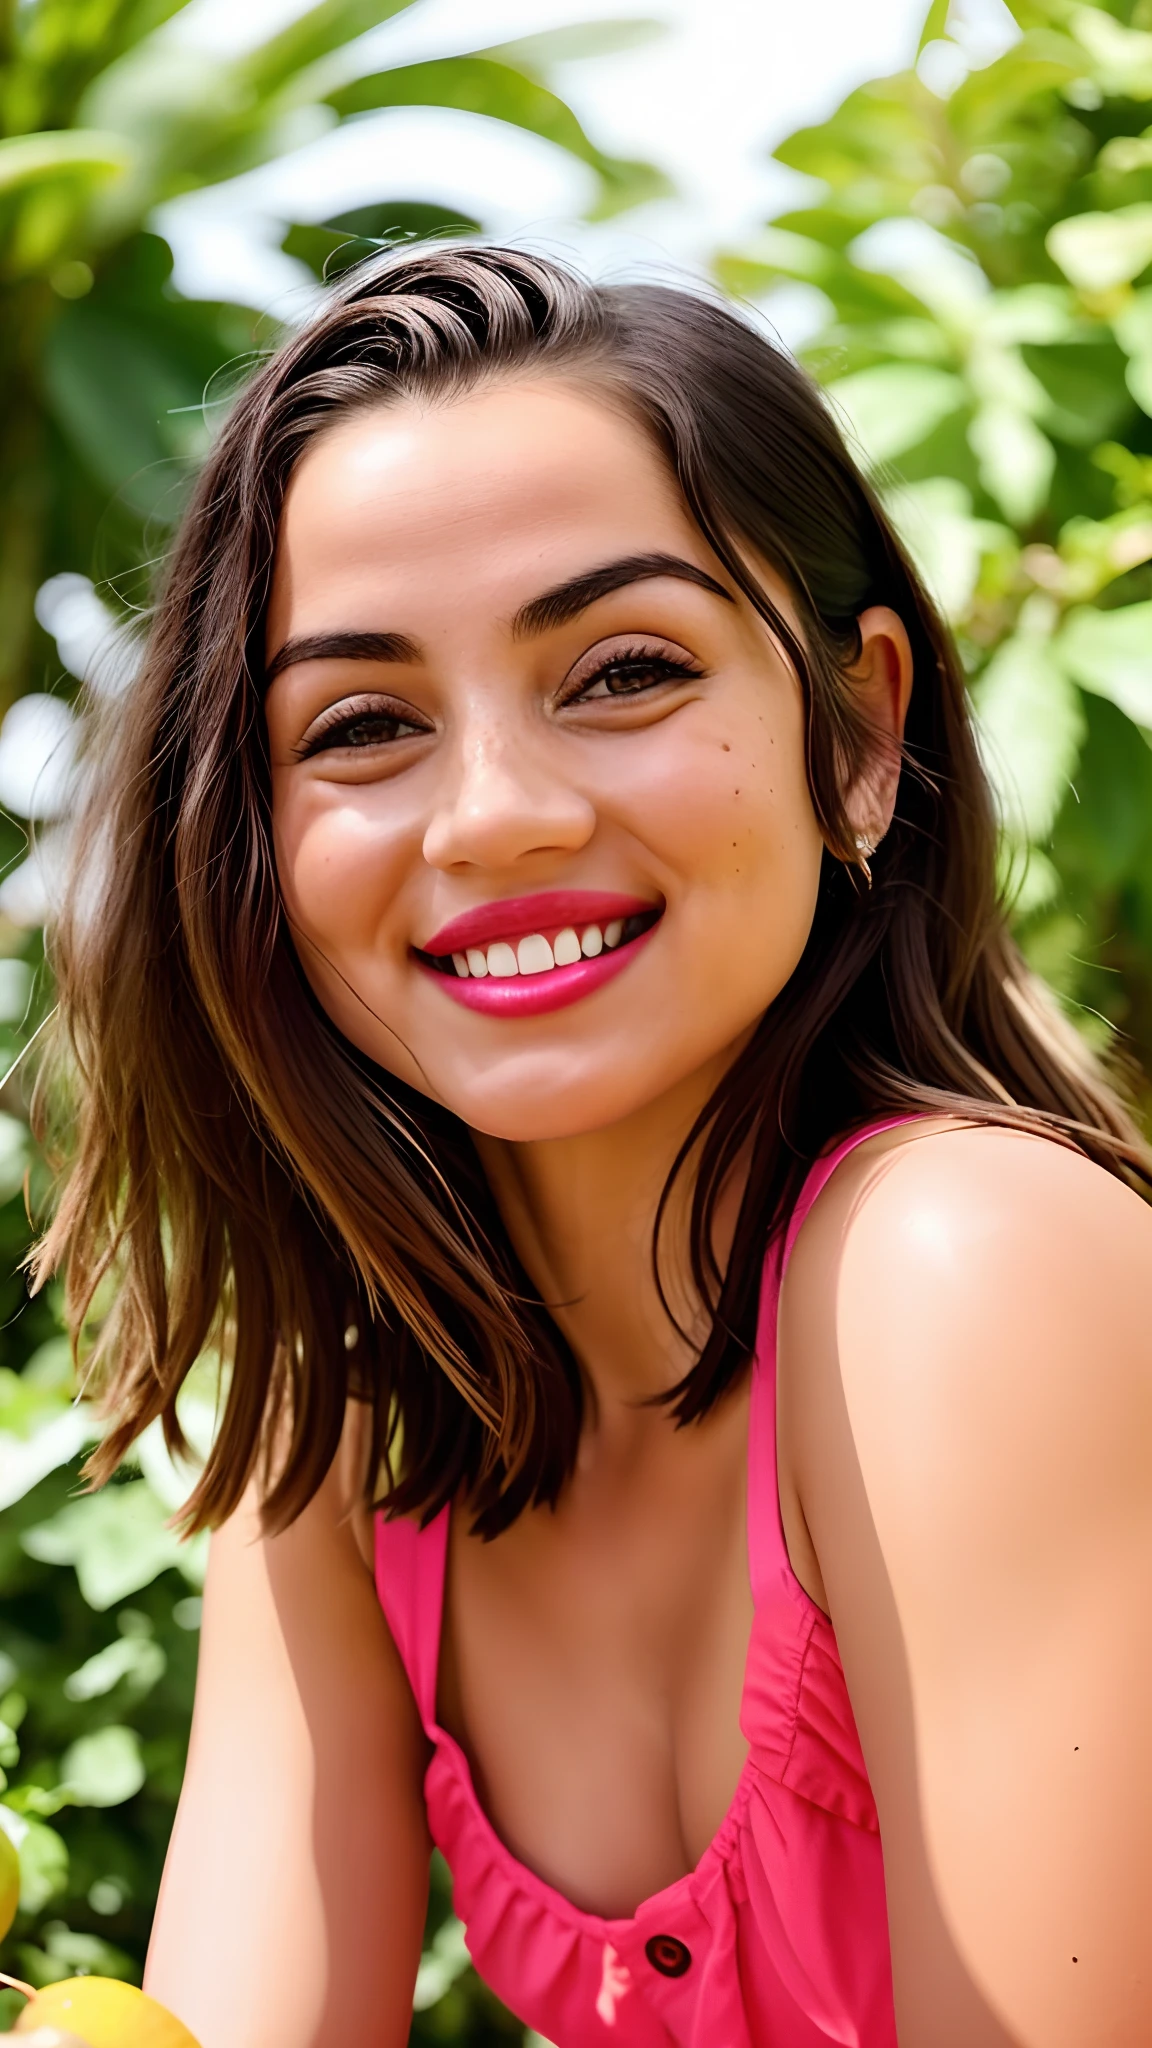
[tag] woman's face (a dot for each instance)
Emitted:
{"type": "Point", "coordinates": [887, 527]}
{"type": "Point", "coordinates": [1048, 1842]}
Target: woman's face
{"type": "Point", "coordinates": [542, 824]}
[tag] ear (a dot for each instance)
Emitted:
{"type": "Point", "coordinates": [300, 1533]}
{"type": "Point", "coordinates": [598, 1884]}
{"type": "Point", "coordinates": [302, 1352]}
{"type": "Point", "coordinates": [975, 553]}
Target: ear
{"type": "Point", "coordinates": [881, 681]}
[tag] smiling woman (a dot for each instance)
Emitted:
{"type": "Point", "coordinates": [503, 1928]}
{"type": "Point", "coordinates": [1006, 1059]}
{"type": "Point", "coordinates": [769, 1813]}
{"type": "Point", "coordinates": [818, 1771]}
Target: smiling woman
{"type": "Point", "coordinates": [544, 858]}
{"type": "Point", "coordinates": [548, 705]}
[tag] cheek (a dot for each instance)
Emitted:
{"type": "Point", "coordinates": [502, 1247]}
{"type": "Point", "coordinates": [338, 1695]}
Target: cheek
{"type": "Point", "coordinates": [739, 832]}
{"type": "Point", "coordinates": [725, 799]}
{"type": "Point", "coordinates": [339, 868]}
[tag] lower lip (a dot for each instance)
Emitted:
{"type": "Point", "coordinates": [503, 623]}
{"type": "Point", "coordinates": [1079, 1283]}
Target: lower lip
{"type": "Point", "coordinates": [533, 995]}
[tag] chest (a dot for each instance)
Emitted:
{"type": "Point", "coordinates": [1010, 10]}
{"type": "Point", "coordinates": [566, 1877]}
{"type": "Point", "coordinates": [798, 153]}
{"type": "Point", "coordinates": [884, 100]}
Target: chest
{"type": "Point", "coordinates": [592, 1667]}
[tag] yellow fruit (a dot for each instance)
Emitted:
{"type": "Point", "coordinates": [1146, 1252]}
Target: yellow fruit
{"type": "Point", "coordinates": [51, 2037]}
{"type": "Point", "coordinates": [103, 2013]}
{"type": "Point", "coordinates": [9, 1884]}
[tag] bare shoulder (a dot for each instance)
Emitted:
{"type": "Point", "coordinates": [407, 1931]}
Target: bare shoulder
{"type": "Point", "coordinates": [981, 1221]}
{"type": "Point", "coordinates": [974, 1302]}
{"type": "Point", "coordinates": [966, 1376]}
{"type": "Point", "coordinates": [974, 1170]}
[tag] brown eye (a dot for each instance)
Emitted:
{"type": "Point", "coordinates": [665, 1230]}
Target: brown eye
{"type": "Point", "coordinates": [359, 729]}
{"type": "Point", "coordinates": [629, 674]}
{"type": "Point", "coordinates": [370, 732]}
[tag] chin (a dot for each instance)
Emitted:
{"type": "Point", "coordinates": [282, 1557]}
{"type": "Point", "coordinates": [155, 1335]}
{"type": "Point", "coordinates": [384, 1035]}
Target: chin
{"type": "Point", "coordinates": [533, 1122]}
{"type": "Point", "coordinates": [527, 1100]}
{"type": "Point", "coordinates": [553, 1094]}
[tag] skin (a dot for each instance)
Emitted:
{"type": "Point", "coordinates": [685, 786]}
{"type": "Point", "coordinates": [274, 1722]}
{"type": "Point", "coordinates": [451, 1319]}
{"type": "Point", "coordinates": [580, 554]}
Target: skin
{"type": "Point", "coordinates": [968, 1505]}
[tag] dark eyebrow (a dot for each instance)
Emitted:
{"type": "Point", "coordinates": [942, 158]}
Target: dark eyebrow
{"type": "Point", "coordinates": [343, 647]}
{"type": "Point", "coordinates": [540, 615]}
{"type": "Point", "coordinates": [567, 600]}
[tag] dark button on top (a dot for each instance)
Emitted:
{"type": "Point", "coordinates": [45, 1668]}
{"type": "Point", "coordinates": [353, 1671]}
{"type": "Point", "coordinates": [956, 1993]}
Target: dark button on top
{"type": "Point", "coordinates": [668, 1955]}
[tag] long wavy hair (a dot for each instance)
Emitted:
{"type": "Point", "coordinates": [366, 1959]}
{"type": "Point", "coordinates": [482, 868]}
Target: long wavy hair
{"type": "Point", "coordinates": [235, 1175]}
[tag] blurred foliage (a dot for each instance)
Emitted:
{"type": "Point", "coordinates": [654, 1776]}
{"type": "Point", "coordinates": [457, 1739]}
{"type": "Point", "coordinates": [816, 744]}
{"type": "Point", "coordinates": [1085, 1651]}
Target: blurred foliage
{"type": "Point", "coordinates": [976, 245]}
{"type": "Point", "coordinates": [111, 381]}
{"type": "Point", "coordinates": [107, 111]}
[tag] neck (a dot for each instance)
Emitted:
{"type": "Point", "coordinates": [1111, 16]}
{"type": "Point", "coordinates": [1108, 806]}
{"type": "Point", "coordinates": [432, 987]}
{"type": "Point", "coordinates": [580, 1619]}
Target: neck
{"type": "Point", "coordinates": [581, 1212]}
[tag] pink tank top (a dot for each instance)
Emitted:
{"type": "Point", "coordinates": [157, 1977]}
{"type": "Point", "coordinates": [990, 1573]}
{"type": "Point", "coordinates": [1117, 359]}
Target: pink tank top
{"type": "Point", "coordinates": [779, 1937]}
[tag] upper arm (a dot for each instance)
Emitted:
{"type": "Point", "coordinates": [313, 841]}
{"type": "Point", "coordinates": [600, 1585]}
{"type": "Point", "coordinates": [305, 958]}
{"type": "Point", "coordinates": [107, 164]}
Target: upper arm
{"type": "Point", "coordinates": [974, 1453]}
{"type": "Point", "coordinates": [295, 1888]}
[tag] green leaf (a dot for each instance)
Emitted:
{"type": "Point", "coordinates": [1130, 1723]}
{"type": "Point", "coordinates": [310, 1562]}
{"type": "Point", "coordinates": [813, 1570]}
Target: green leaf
{"type": "Point", "coordinates": [1125, 154]}
{"type": "Point", "coordinates": [43, 1864]}
{"type": "Point", "coordinates": [24, 1462]}
{"type": "Point", "coordinates": [934, 520]}
{"type": "Point", "coordinates": [68, 1952]}
{"type": "Point", "coordinates": [14, 1154]}
{"type": "Point", "coordinates": [479, 85]}
{"type": "Point", "coordinates": [777, 251]}
{"type": "Point", "coordinates": [312, 36]}
{"type": "Point", "coordinates": [1111, 653]}
{"type": "Point", "coordinates": [127, 399]}
{"type": "Point", "coordinates": [1016, 460]}
{"type": "Point", "coordinates": [879, 133]}
{"type": "Point", "coordinates": [1083, 381]}
{"type": "Point", "coordinates": [440, 1965]}
{"type": "Point", "coordinates": [935, 25]}
{"type": "Point", "coordinates": [40, 1427]}
{"type": "Point", "coordinates": [835, 226]}
{"type": "Point", "coordinates": [1031, 727]}
{"type": "Point", "coordinates": [1096, 551]}
{"type": "Point", "coordinates": [578, 39]}
{"type": "Point", "coordinates": [1033, 312]}
{"type": "Point", "coordinates": [78, 152]}
{"type": "Point", "coordinates": [1098, 251]}
{"type": "Point", "coordinates": [1132, 327]}
{"type": "Point", "coordinates": [117, 1540]}
{"type": "Point", "coordinates": [349, 237]}
{"type": "Point", "coordinates": [995, 95]}
{"type": "Point", "coordinates": [138, 1659]}
{"type": "Point", "coordinates": [1103, 836]}
{"type": "Point", "coordinates": [857, 295]}
{"type": "Point", "coordinates": [103, 1769]}
{"type": "Point", "coordinates": [1138, 377]}
{"type": "Point", "coordinates": [893, 406]}
{"type": "Point", "coordinates": [1121, 57]}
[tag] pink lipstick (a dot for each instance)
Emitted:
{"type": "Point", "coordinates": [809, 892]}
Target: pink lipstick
{"type": "Point", "coordinates": [522, 956]}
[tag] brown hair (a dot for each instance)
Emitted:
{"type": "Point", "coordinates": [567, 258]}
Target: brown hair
{"type": "Point", "coordinates": [242, 1176]}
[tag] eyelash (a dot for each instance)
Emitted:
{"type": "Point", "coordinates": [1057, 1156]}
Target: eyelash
{"type": "Point", "coordinates": [333, 731]}
{"type": "Point", "coordinates": [337, 726]}
{"type": "Point", "coordinates": [663, 668]}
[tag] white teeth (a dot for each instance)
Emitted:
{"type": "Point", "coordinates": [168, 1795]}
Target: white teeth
{"type": "Point", "coordinates": [534, 955]}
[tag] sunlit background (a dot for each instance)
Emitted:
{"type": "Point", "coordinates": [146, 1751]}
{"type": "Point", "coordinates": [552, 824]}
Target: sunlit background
{"type": "Point", "coordinates": [943, 207]}
{"type": "Point", "coordinates": [702, 88]}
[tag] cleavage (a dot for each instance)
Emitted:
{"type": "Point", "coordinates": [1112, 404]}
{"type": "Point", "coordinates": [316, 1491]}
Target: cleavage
{"type": "Point", "coordinates": [591, 1668]}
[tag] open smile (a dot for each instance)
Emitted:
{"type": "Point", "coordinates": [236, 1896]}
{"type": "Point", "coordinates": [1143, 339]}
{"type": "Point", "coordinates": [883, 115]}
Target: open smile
{"type": "Point", "coordinates": [530, 954]}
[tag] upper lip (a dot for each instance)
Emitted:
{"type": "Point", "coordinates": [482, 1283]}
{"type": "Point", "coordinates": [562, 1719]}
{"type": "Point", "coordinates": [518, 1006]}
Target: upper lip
{"type": "Point", "coordinates": [513, 917]}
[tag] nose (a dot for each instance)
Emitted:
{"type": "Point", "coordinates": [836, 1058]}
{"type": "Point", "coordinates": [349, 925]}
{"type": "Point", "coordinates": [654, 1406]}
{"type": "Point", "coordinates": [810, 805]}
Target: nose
{"type": "Point", "coordinates": [505, 799]}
